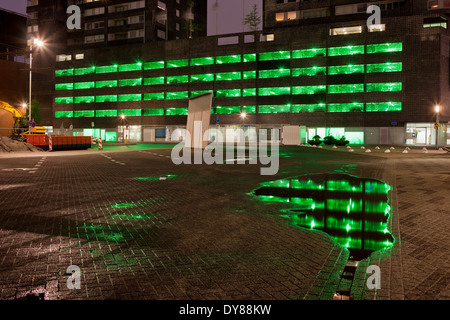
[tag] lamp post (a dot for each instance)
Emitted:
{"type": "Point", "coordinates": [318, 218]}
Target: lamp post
{"type": "Point", "coordinates": [437, 109]}
{"type": "Point", "coordinates": [39, 44]}
{"type": "Point", "coordinates": [123, 129]}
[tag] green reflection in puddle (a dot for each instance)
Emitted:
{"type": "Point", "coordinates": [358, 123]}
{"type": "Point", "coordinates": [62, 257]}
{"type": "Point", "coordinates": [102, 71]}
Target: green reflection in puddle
{"type": "Point", "coordinates": [124, 205]}
{"type": "Point", "coordinates": [353, 211]}
{"type": "Point", "coordinates": [163, 177]}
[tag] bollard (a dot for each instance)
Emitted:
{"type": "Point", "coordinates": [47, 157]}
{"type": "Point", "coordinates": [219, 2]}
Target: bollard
{"type": "Point", "coordinates": [50, 143]}
{"type": "Point", "coordinates": [100, 146]}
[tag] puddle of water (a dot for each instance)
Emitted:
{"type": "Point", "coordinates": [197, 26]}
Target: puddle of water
{"type": "Point", "coordinates": [353, 211]}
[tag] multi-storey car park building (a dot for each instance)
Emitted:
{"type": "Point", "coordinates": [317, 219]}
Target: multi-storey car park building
{"type": "Point", "coordinates": [316, 65]}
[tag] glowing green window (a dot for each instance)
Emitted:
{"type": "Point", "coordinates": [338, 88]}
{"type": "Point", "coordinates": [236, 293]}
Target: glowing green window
{"type": "Point", "coordinates": [312, 71]}
{"type": "Point", "coordinates": [249, 57]}
{"type": "Point", "coordinates": [63, 114]}
{"type": "Point", "coordinates": [153, 81]}
{"type": "Point", "coordinates": [345, 107]}
{"type": "Point", "coordinates": [177, 95]}
{"type": "Point", "coordinates": [64, 72]}
{"type": "Point", "coordinates": [383, 106]}
{"type": "Point", "coordinates": [87, 99]}
{"type": "Point", "coordinates": [346, 69]}
{"type": "Point", "coordinates": [83, 71]}
{"type": "Point", "coordinates": [249, 109]}
{"type": "Point", "coordinates": [106, 69]}
{"type": "Point", "coordinates": [84, 113]}
{"type": "Point", "coordinates": [106, 98]}
{"type": "Point", "coordinates": [130, 112]}
{"type": "Point", "coordinates": [385, 47]}
{"type": "Point", "coordinates": [384, 87]}
{"type": "Point", "coordinates": [130, 67]}
{"type": "Point", "coordinates": [277, 55]}
{"type": "Point", "coordinates": [177, 79]}
{"type": "Point", "coordinates": [154, 65]}
{"type": "Point", "coordinates": [84, 85]}
{"type": "Point", "coordinates": [228, 93]}
{"type": "Point", "coordinates": [64, 86]}
{"type": "Point", "coordinates": [153, 112]}
{"type": "Point", "coordinates": [297, 108]}
{"type": "Point", "coordinates": [345, 51]}
{"type": "Point", "coordinates": [202, 77]}
{"type": "Point", "coordinates": [106, 84]}
{"type": "Point", "coordinates": [309, 89]}
{"type": "Point", "coordinates": [177, 63]}
{"type": "Point", "coordinates": [274, 91]}
{"type": "Point", "coordinates": [274, 73]}
{"type": "Point", "coordinates": [63, 100]}
{"type": "Point", "coordinates": [198, 92]}
{"type": "Point", "coordinates": [249, 75]}
{"type": "Point", "coordinates": [202, 61]}
{"type": "Point", "coordinates": [130, 82]}
{"type": "Point", "coordinates": [130, 97]}
{"type": "Point", "coordinates": [229, 59]}
{"type": "Point", "coordinates": [346, 88]}
{"type": "Point", "coordinates": [111, 136]}
{"type": "Point", "coordinates": [154, 96]}
{"type": "Point", "coordinates": [384, 67]}
{"type": "Point", "coordinates": [275, 109]}
{"type": "Point", "coordinates": [105, 113]}
{"type": "Point", "coordinates": [176, 112]}
{"type": "Point", "coordinates": [227, 110]}
{"type": "Point", "coordinates": [226, 76]}
{"type": "Point", "coordinates": [249, 92]}
{"type": "Point", "coordinates": [309, 53]}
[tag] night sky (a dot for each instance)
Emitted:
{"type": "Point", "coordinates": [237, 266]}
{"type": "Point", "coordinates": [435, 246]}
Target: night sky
{"type": "Point", "coordinates": [227, 19]}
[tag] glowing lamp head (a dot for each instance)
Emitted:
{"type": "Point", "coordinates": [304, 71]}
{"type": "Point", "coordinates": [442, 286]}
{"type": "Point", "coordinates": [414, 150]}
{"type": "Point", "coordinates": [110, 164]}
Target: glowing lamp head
{"type": "Point", "coordinates": [437, 108]}
{"type": "Point", "coordinates": [122, 116]}
{"type": "Point", "coordinates": [243, 115]}
{"type": "Point", "coordinates": [38, 42]}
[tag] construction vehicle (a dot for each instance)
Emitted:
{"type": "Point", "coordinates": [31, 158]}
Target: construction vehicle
{"type": "Point", "coordinates": [21, 126]}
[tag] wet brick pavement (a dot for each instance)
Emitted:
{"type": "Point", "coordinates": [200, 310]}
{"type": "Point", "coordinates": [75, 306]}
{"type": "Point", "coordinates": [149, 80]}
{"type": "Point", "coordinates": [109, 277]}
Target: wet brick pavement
{"type": "Point", "coordinates": [200, 235]}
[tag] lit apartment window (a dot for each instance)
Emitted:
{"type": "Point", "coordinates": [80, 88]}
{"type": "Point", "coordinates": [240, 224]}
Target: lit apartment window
{"type": "Point", "coordinates": [177, 26]}
{"type": "Point", "coordinates": [34, 28]}
{"type": "Point", "coordinates": [161, 5]}
{"type": "Point", "coordinates": [177, 12]}
{"type": "Point", "coordinates": [94, 39]}
{"type": "Point", "coordinates": [291, 15]}
{"type": "Point", "coordinates": [94, 11]}
{"type": "Point", "coordinates": [161, 34]}
{"type": "Point", "coordinates": [63, 57]}
{"type": "Point", "coordinates": [438, 4]}
{"type": "Point", "coordinates": [377, 28]}
{"type": "Point", "coordinates": [279, 16]}
{"type": "Point", "coordinates": [135, 19]}
{"type": "Point", "coordinates": [32, 3]}
{"type": "Point", "coordinates": [79, 56]}
{"type": "Point", "coordinates": [135, 34]}
{"type": "Point", "coordinates": [345, 30]}
{"type": "Point", "coordinates": [94, 25]}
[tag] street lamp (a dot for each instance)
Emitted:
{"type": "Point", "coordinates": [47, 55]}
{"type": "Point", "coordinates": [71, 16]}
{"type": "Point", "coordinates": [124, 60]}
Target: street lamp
{"type": "Point", "coordinates": [436, 125]}
{"type": "Point", "coordinates": [39, 44]}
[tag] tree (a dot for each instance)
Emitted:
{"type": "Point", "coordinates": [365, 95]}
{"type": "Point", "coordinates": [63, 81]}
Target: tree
{"type": "Point", "coordinates": [190, 26]}
{"type": "Point", "coordinates": [252, 20]}
{"type": "Point", "coordinates": [36, 111]}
